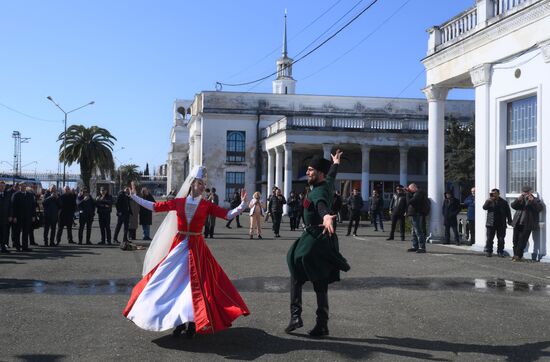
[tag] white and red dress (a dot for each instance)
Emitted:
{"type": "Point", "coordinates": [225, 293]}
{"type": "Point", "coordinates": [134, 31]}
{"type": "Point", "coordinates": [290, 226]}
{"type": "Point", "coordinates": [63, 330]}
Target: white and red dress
{"type": "Point", "coordinates": [188, 285]}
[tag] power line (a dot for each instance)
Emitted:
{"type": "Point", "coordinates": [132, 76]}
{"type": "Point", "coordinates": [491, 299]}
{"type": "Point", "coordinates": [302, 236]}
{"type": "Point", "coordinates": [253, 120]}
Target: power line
{"type": "Point", "coordinates": [220, 84]}
{"type": "Point", "coordinates": [410, 83]}
{"type": "Point", "coordinates": [28, 115]}
{"type": "Point", "coordinates": [293, 37]}
{"type": "Point", "coordinates": [358, 43]}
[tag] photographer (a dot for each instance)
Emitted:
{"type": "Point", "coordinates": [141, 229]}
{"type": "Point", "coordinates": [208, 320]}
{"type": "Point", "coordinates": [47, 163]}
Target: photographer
{"type": "Point", "coordinates": [526, 219]}
{"type": "Point", "coordinates": [86, 210]}
{"type": "Point", "coordinates": [498, 213]}
{"type": "Point", "coordinates": [417, 209]}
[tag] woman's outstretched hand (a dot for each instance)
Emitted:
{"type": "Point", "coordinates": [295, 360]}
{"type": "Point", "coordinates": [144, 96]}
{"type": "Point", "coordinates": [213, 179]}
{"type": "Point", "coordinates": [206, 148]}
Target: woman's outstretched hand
{"type": "Point", "coordinates": [336, 157]}
{"type": "Point", "coordinates": [133, 188]}
{"type": "Point", "coordinates": [243, 195]}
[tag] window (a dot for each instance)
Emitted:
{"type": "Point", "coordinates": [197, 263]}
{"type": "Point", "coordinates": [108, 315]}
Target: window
{"type": "Point", "coordinates": [234, 181]}
{"type": "Point", "coordinates": [521, 144]}
{"type": "Point", "coordinates": [236, 146]}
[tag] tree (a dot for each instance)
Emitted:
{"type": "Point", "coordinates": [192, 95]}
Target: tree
{"type": "Point", "coordinates": [91, 148]}
{"type": "Point", "coordinates": [460, 153]}
{"type": "Point", "coordinates": [146, 172]}
{"type": "Point", "coordinates": [128, 173]}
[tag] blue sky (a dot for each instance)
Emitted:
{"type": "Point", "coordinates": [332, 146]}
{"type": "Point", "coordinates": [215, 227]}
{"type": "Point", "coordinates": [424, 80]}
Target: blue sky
{"type": "Point", "coordinates": [134, 58]}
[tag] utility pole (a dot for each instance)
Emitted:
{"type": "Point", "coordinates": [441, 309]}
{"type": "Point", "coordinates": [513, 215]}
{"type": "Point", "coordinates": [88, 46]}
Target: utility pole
{"type": "Point", "coordinates": [17, 140]}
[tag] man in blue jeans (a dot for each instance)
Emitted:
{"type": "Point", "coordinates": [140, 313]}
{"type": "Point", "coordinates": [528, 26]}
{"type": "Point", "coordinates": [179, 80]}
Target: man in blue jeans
{"type": "Point", "coordinates": [416, 209]}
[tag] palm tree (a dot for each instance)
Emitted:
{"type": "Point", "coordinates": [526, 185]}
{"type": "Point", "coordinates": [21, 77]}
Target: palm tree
{"type": "Point", "coordinates": [128, 173]}
{"type": "Point", "coordinates": [91, 148]}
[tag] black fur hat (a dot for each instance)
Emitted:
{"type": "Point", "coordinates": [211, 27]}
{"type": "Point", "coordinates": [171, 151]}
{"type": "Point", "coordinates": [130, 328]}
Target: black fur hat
{"type": "Point", "coordinates": [320, 164]}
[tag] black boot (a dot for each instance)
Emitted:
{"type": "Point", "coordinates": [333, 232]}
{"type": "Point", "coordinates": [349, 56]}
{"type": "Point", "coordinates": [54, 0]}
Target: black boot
{"type": "Point", "coordinates": [178, 330]}
{"type": "Point", "coordinates": [295, 306]}
{"type": "Point", "coordinates": [321, 326]}
{"type": "Point", "coordinates": [191, 330]}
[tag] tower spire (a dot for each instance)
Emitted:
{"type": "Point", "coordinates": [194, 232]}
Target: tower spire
{"type": "Point", "coordinates": [285, 53]}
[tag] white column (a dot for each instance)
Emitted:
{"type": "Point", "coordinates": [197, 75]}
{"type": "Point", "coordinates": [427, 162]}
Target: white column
{"type": "Point", "coordinates": [270, 175]}
{"type": "Point", "coordinates": [365, 172]}
{"type": "Point", "coordinates": [481, 78]}
{"type": "Point", "coordinates": [436, 157]}
{"type": "Point", "coordinates": [327, 147]}
{"type": "Point", "coordinates": [191, 152]}
{"type": "Point", "coordinates": [198, 150]}
{"type": "Point", "coordinates": [279, 167]}
{"type": "Point", "coordinates": [403, 153]}
{"type": "Point", "coordinates": [288, 173]}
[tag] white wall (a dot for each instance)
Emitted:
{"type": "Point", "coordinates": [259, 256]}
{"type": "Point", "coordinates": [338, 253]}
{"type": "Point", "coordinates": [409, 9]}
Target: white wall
{"type": "Point", "coordinates": [505, 87]}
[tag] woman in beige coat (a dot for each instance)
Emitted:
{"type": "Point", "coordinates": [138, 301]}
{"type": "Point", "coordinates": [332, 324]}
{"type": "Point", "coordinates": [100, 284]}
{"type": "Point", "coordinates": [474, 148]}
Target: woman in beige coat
{"type": "Point", "coordinates": [256, 215]}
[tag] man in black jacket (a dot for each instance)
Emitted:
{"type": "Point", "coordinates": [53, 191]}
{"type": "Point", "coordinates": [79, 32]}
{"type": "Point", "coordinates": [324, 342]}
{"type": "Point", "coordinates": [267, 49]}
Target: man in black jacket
{"type": "Point", "coordinates": [5, 218]}
{"type": "Point", "coordinates": [417, 209]}
{"type": "Point", "coordinates": [86, 212]}
{"type": "Point", "coordinates": [526, 219]}
{"type": "Point", "coordinates": [398, 207]}
{"type": "Point", "coordinates": [498, 214]}
{"type": "Point", "coordinates": [123, 212]}
{"type": "Point", "coordinates": [355, 205]}
{"type": "Point", "coordinates": [376, 208]}
{"type": "Point", "coordinates": [51, 214]}
{"type": "Point", "coordinates": [67, 203]}
{"type": "Point", "coordinates": [275, 207]}
{"type": "Point", "coordinates": [23, 215]}
{"type": "Point", "coordinates": [235, 202]}
{"type": "Point", "coordinates": [104, 204]}
{"type": "Point", "coordinates": [450, 210]}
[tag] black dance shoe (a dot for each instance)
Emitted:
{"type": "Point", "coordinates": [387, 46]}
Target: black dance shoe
{"type": "Point", "coordinates": [320, 330]}
{"type": "Point", "coordinates": [295, 323]}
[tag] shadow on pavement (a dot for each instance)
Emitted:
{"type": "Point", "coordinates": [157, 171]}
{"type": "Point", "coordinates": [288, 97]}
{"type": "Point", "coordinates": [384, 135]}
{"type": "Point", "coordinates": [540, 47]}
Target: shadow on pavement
{"type": "Point", "coordinates": [250, 343]}
{"type": "Point", "coordinates": [41, 357]}
{"type": "Point", "coordinates": [42, 253]}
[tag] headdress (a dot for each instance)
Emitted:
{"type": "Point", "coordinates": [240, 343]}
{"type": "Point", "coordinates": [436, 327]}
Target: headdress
{"type": "Point", "coordinates": [320, 164]}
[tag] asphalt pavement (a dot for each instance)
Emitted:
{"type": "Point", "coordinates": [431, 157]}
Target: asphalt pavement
{"type": "Point", "coordinates": [452, 303]}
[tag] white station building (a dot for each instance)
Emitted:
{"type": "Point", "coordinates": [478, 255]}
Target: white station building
{"type": "Point", "coordinates": [500, 48]}
{"type": "Point", "coordinates": [257, 140]}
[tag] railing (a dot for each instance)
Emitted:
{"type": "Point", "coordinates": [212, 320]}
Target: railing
{"type": "Point", "coordinates": [352, 124]}
{"type": "Point", "coordinates": [458, 26]}
{"type": "Point", "coordinates": [503, 6]}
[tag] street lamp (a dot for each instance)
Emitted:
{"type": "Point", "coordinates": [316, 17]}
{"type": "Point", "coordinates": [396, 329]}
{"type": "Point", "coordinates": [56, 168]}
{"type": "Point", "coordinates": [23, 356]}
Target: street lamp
{"type": "Point", "coordinates": [65, 133]}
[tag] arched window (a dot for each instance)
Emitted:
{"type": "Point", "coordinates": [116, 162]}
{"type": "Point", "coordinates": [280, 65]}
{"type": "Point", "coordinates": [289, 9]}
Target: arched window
{"type": "Point", "coordinates": [236, 144]}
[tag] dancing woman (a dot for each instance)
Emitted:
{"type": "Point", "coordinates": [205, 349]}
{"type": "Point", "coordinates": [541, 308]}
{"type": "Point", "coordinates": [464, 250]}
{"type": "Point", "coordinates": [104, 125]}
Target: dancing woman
{"type": "Point", "coordinates": [183, 287]}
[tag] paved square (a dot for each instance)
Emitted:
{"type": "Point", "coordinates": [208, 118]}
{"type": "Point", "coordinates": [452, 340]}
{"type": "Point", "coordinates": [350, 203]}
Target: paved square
{"type": "Point", "coordinates": [65, 303]}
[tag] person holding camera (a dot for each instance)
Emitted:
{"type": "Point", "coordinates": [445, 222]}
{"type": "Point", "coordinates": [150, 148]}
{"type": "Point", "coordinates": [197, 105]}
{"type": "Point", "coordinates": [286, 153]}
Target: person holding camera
{"type": "Point", "coordinates": [398, 207]}
{"type": "Point", "coordinates": [498, 215]}
{"type": "Point", "coordinates": [526, 219]}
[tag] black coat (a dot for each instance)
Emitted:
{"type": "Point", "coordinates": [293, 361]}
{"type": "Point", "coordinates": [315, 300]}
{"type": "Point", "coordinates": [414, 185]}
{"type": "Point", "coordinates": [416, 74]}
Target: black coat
{"type": "Point", "coordinates": [86, 207]}
{"type": "Point", "coordinates": [5, 207]}
{"type": "Point", "coordinates": [398, 204]}
{"type": "Point", "coordinates": [68, 208]}
{"type": "Point", "coordinates": [104, 204]}
{"type": "Point", "coordinates": [416, 203]}
{"type": "Point", "coordinates": [336, 204]}
{"type": "Point", "coordinates": [23, 206]}
{"type": "Point", "coordinates": [51, 207]}
{"type": "Point", "coordinates": [450, 209]}
{"type": "Point", "coordinates": [146, 215]}
{"type": "Point", "coordinates": [355, 203]}
{"type": "Point", "coordinates": [376, 203]}
{"type": "Point", "coordinates": [276, 203]}
{"type": "Point", "coordinates": [527, 213]}
{"type": "Point", "coordinates": [498, 212]}
{"type": "Point", "coordinates": [123, 204]}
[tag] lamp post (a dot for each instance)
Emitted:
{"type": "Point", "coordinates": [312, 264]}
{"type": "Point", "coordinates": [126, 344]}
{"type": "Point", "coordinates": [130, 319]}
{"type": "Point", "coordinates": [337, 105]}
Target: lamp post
{"type": "Point", "coordinates": [65, 132]}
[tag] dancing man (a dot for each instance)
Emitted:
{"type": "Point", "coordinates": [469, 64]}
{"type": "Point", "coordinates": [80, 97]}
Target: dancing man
{"type": "Point", "coordinates": [183, 287]}
{"type": "Point", "coordinates": [314, 256]}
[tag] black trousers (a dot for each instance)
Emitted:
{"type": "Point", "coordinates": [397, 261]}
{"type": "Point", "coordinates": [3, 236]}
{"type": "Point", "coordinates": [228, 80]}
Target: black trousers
{"type": "Point", "coordinates": [85, 222]}
{"type": "Point", "coordinates": [209, 226]}
{"type": "Point", "coordinates": [520, 239]}
{"type": "Point", "coordinates": [277, 218]}
{"type": "Point", "coordinates": [4, 234]}
{"type": "Point", "coordinates": [122, 220]}
{"type": "Point", "coordinates": [471, 231]}
{"type": "Point", "coordinates": [294, 224]}
{"type": "Point", "coordinates": [23, 229]}
{"type": "Point", "coordinates": [451, 224]}
{"type": "Point", "coordinates": [105, 227]}
{"type": "Point", "coordinates": [397, 219]}
{"type": "Point", "coordinates": [500, 231]}
{"type": "Point", "coordinates": [321, 292]}
{"type": "Point", "coordinates": [49, 231]}
{"type": "Point", "coordinates": [60, 226]}
{"type": "Point", "coordinates": [354, 218]}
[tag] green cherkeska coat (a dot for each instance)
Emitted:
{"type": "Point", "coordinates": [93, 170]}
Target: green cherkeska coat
{"type": "Point", "coordinates": [315, 256]}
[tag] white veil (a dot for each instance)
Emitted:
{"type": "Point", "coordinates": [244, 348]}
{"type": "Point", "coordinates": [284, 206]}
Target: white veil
{"type": "Point", "coordinates": [164, 237]}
